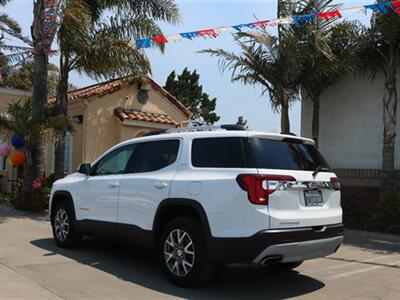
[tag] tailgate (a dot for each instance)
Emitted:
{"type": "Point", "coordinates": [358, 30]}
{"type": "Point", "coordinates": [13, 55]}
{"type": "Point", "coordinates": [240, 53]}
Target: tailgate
{"type": "Point", "coordinates": [305, 202]}
{"type": "Point", "coordinates": [308, 194]}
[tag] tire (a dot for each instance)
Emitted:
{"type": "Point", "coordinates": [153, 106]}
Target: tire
{"type": "Point", "coordinates": [182, 253]}
{"type": "Point", "coordinates": [287, 266]}
{"type": "Point", "coordinates": [63, 225]}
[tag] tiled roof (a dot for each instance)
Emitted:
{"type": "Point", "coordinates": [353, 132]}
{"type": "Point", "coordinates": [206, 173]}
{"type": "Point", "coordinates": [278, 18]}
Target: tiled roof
{"type": "Point", "coordinates": [134, 115]}
{"type": "Point", "coordinates": [108, 87]}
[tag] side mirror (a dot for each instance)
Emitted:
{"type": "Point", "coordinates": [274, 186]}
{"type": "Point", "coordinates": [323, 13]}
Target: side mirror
{"type": "Point", "coordinates": [84, 169]}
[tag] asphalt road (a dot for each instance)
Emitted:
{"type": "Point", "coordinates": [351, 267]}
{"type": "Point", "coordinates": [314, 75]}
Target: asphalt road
{"type": "Point", "coordinates": [32, 267]}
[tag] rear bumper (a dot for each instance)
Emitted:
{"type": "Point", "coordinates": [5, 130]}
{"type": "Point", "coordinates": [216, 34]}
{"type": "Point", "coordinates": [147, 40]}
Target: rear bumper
{"type": "Point", "coordinates": [299, 251]}
{"type": "Point", "coordinates": [285, 245]}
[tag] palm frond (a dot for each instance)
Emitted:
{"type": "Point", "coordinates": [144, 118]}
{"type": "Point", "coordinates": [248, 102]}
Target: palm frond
{"type": "Point", "coordinates": [158, 10]}
{"type": "Point", "coordinates": [12, 24]}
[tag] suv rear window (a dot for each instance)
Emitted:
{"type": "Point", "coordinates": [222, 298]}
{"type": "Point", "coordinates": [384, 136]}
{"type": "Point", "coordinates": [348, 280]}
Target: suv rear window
{"type": "Point", "coordinates": [218, 153]}
{"type": "Point", "coordinates": [287, 154]}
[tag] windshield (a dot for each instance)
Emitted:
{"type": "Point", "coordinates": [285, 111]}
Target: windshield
{"type": "Point", "coordinates": [287, 154]}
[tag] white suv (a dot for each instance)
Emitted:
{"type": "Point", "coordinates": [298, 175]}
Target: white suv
{"type": "Point", "coordinates": [204, 196]}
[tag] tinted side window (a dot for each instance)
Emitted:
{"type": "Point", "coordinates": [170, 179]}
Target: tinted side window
{"type": "Point", "coordinates": [285, 155]}
{"type": "Point", "coordinates": [218, 153]}
{"type": "Point", "coordinates": [114, 162]}
{"type": "Point", "coordinates": [152, 156]}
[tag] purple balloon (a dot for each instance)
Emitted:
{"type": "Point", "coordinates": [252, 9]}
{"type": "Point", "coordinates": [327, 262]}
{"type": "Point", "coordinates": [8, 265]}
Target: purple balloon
{"type": "Point", "coordinates": [4, 150]}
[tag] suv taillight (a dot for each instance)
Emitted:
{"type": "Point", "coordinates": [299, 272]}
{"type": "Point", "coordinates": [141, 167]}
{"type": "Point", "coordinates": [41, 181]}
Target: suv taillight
{"type": "Point", "coordinates": [258, 187]}
{"type": "Point", "coordinates": [335, 184]}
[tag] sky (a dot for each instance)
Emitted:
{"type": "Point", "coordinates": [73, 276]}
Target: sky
{"type": "Point", "coordinates": [233, 99]}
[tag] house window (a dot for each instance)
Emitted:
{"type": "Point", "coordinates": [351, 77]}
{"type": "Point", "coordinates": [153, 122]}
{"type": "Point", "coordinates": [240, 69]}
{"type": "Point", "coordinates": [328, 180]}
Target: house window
{"type": "Point", "coordinates": [68, 153]}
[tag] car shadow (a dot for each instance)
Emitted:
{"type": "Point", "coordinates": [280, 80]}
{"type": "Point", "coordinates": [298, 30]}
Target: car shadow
{"type": "Point", "coordinates": [229, 282]}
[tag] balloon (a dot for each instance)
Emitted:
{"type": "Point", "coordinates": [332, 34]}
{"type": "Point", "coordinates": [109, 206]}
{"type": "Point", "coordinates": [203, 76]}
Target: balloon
{"type": "Point", "coordinates": [17, 158]}
{"type": "Point", "coordinates": [4, 150]}
{"type": "Point", "coordinates": [17, 141]}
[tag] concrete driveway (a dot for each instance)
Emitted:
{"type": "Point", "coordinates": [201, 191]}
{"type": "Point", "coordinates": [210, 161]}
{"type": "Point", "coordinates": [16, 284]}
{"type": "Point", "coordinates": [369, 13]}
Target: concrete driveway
{"type": "Point", "coordinates": [32, 267]}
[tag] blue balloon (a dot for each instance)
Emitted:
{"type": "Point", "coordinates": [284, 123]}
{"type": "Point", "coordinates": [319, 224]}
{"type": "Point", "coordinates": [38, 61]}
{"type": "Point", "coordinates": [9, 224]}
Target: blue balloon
{"type": "Point", "coordinates": [17, 141]}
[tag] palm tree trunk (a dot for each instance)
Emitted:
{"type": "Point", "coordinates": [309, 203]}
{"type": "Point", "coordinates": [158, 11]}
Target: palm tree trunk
{"type": "Point", "coordinates": [315, 121]}
{"type": "Point", "coordinates": [39, 100]}
{"type": "Point", "coordinates": [285, 123]}
{"type": "Point", "coordinates": [390, 100]}
{"type": "Point", "coordinates": [39, 85]}
{"type": "Point", "coordinates": [27, 177]}
{"type": "Point", "coordinates": [61, 102]}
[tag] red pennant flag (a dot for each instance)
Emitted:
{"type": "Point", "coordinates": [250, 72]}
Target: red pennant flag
{"type": "Point", "coordinates": [329, 15]}
{"type": "Point", "coordinates": [396, 6]}
{"type": "Point", "coordinates": [262, 24]}
{"type": "Point", "coordinates": [160, 39]}
{"type": "Point", "coordinates": [207, 32]}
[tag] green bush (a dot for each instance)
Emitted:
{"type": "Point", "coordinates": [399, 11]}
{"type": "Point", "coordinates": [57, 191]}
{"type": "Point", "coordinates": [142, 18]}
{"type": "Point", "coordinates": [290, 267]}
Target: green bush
{"type": "Point", "coordinates": [5, 198]}
{"type": "Point", "coordinates": [387, 218]}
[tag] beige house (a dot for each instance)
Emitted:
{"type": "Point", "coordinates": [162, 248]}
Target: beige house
{"type": "Point", "coordinates": [103, 115]}
{"type": "Point", "coordinates": [107, 113]}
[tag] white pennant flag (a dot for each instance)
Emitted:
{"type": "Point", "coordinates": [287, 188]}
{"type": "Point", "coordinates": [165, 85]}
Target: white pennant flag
{"type": "Point", "coordinates": [353, 10]}
{"type": "Point", "coordinates": [174, 38]}
{"type": "Point", "coordinates": [225, 29]}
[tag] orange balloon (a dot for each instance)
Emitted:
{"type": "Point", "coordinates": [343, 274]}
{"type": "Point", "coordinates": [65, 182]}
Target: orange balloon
{"type": "Point", "coordinates": [17, 158]}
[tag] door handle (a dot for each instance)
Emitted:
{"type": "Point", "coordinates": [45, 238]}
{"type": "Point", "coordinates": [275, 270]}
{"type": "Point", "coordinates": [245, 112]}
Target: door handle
{"type": "Point", "coordinates": [160, 185]}
{"type": "Point", "coordinates": [113, 185]}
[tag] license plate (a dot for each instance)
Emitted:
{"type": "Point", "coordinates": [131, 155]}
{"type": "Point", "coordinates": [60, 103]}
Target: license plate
{"type": "Point", "coordinates": [313, 198]}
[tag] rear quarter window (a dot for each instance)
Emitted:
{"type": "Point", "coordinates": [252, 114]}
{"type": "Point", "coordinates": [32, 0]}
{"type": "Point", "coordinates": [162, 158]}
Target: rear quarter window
{"type": "Point", "coordinates": [218, 152]}
{"type": "Point", "coordinates": [287, 154]}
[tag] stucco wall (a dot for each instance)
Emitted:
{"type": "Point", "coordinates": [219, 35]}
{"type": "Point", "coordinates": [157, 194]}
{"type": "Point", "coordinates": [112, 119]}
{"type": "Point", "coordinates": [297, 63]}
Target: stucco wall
{"type": "Point", "coordinates": [351, 126]}
{"type": "Point", "coordinates": [77, 135]}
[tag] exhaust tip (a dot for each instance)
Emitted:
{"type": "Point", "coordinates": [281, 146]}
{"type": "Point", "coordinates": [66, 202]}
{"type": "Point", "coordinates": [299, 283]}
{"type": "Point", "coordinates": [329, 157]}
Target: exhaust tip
{"type": "Point", "coordinates": [272, 259]}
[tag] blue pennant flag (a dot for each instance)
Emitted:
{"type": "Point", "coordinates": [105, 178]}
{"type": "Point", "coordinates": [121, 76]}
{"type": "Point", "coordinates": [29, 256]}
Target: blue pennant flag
{"type": "Point", "coordinates": [144, 43]}
{"type": "Point", "coordinates": [309, 17]}
{"type": "Point", "coordinates": [379, 7]}
{"type": "Point", "coordinates": [50, 10]}
{"type": "Point", "coordinates": [241, 26]}
{"type": "Point", "coordinates": [296, 21]}
{"type": "Point", "coordinates": [190, 35]}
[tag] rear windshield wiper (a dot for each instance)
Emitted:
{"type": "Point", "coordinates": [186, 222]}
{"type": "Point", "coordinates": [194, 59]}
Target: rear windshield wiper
{"type": "Point", "coordinates": [320, 169]}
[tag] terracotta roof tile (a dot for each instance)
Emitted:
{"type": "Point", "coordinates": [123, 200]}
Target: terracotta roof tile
{"type": "Point", "coordinates": [134, 115]}
{"type": "Point", "coordinates": [114, 85]}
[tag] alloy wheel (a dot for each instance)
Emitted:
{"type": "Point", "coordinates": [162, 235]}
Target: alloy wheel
{"type": "Point", "coordinates": [179, 252]}
{"type": "Point", "coordinates": [61, 224]}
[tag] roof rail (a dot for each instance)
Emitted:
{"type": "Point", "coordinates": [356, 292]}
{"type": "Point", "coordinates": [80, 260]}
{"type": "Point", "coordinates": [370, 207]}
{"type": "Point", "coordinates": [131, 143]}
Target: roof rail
{"type": "Point", "coordinates": [206, 128]}
{"type": "Point", "coordinates": [229, 127]}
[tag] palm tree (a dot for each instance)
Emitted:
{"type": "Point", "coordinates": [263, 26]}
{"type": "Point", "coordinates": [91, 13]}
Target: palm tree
{"type": "Point", "coordinates": [380, 52]}
{"type": "Point", "coordinates": [104, 48]}
{"type": "Point", "coordinates": [269, 62]}
{"type": "Point", "coordinates": [39, 97]}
